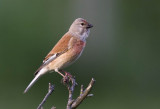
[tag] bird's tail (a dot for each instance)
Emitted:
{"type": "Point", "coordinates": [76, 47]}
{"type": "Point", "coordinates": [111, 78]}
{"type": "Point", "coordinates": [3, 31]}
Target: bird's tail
{"type": "Point", "coordinates": [38, 75]}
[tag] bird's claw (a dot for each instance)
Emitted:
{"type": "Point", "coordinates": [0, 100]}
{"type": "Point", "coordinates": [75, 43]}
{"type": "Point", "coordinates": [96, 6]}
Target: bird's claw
{"type": "Point", "coordinates": [67, 78]}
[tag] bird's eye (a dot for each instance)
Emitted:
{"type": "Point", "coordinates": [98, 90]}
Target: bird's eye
{"type": "Point", "coordinates": [82, 24]}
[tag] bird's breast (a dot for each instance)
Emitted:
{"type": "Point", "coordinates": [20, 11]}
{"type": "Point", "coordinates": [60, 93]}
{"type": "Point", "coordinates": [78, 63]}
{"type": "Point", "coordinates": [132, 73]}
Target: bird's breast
{"type": "Point", "coordinates": [68, 57]}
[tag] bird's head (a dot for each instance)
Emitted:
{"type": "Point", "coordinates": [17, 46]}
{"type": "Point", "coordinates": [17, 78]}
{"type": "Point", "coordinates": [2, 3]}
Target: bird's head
{"type": "Point", "coordinates": [80, 28]}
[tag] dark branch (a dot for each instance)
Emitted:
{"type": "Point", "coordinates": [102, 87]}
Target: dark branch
{"type": "Point", "coordinates": [72, 104]}
{"type": "Point", "coordinates": [71, 90]}
{"type": "Point", "coordinates": [50, 90]}
{"type": "Point", "coordinates": [83, 94]}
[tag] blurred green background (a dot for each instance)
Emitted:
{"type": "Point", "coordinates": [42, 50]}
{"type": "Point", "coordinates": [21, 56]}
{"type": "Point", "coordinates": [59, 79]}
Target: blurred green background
{"type": "Point", "coordinates": [122, 52]}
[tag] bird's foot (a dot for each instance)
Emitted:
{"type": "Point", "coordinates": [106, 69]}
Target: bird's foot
{"type": "Point", "coordinates": [67, 78]}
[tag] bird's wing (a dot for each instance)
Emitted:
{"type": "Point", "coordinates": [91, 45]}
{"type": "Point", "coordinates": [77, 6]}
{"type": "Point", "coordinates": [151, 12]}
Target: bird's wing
{"type": "Point", "coordinates": [61, 47]}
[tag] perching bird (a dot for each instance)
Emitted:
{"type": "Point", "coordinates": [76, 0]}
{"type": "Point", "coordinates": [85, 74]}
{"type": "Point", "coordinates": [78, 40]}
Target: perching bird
{"type": "Point", "coordinates": [66, 51]}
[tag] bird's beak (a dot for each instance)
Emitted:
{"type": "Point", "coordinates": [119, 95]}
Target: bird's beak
{"type": "Point", "coordinates": [89, 25]}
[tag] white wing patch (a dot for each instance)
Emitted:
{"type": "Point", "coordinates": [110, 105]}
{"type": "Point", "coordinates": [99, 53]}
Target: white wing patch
{"type": "Point", "coordinates": [50, 59]}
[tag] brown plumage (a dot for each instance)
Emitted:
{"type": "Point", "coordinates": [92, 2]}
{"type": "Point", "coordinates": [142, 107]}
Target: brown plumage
{"type": "Point", "coordinates": [66, 51]}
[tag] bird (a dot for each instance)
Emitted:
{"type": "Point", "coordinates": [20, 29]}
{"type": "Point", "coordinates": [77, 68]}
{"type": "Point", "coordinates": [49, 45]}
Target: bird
{"type": "Point", "coordinates": [67, 50]}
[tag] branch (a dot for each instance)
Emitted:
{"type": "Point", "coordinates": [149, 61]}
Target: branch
{"type": "Point", "coordinates": [71, 90]}
{"type": "Point", "coordinates": [50, 90]}
{"type": "Point", "coordinates": [73, 104]}
{"type": "Point", "coordinates": [83, 94]}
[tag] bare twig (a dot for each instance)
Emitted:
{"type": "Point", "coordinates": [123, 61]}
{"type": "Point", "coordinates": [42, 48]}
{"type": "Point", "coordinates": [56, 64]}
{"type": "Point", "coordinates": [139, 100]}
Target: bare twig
{"type": "Point", "coordinates": [81, 91]}
{"type": "Point", "coordinates": [71, 90]}
{"type": "Point", "coordinates": [53, 107]}
{"type": "Point", "coordinates": [50, 90]}
{"type": "Point", "coordinates": [72, 104]}
{"type": "Point", "coordinates": [83, 94]}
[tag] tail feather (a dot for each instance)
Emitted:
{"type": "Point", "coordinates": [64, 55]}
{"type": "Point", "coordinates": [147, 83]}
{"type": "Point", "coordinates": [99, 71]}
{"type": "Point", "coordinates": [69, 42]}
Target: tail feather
{"type": "Point", "coordinates": [38, 75]}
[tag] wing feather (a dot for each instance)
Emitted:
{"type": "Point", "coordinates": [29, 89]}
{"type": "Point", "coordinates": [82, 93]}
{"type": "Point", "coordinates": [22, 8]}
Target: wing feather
{"type": "Point", "coordinates": [61, 47]}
